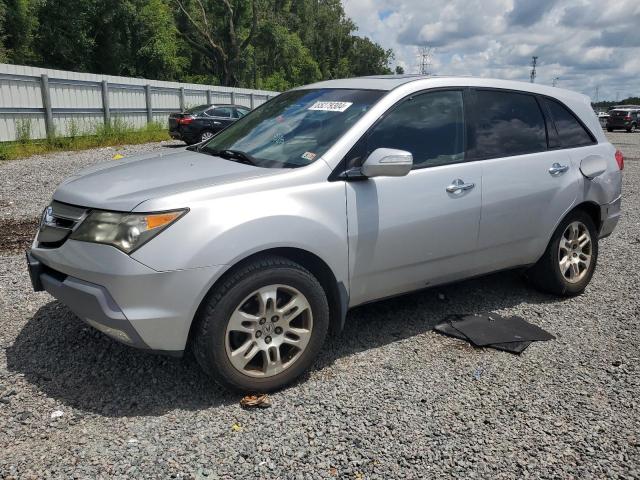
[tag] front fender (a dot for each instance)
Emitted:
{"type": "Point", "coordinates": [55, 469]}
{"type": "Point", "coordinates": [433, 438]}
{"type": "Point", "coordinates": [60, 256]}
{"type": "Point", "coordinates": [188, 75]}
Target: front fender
{"type": "Point", "coordinates": [223, 231]}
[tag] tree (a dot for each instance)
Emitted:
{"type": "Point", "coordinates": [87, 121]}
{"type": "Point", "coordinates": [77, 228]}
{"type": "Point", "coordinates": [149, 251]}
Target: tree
{"type": "Point", "coordinates": [222, 30]}
{"type": "Point", "coordinates": [369, 58]}
{"type": "Point", "coordinates": [20, 24]}
{"type": "Point", "coordinates": [159, 52]}
{"type": "Point", "coordinates": [66, 39]}
{"type": "Point", "coordinates": [399, 70]}
{"type": "Point", "coordinates": [3, 50]}
{"type": "Point", "coordinates": [271, 44]}
{"type": "Point", "coordinates": [283, 61]}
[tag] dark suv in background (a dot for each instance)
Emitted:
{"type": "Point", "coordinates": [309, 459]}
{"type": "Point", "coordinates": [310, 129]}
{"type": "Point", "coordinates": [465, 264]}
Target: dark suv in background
{"type": "Point", "coordinates": [623, 118]}
{"type": "Point", "coordinates": [200, 123]}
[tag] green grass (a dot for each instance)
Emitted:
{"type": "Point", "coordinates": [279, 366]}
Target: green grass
{"type": "Point", "coordinates": [114, 134]}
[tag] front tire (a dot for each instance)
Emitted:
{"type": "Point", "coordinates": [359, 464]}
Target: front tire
{"type": "Point", "coordinates": [263, 326]}
{"type": "Point", "coordinates": [568, 263]}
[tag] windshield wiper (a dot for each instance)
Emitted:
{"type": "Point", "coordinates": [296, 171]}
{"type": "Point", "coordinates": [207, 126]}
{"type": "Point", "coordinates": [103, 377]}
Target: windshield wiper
{"type": "Point", "coordinates": [236, 155]}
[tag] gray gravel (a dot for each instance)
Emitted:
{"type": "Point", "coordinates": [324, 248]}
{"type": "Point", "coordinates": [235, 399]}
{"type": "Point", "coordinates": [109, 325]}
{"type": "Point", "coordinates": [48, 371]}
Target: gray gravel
{"type": "Point", "coordinates": [387, 399]}
{"type": "Point", "coordinates": [27, 184]}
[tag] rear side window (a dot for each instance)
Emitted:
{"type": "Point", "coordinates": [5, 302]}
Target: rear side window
{"type": "Point", "coordinates": [570, 132]}
{"type": "Point", "coordinates": [240, 112]}
{"type": "Point", "coordinates": [430, 126]}
{"type": "Point", "coordinates": [225, 112]}
{"type": "Point", "coordinates": [507, 123]}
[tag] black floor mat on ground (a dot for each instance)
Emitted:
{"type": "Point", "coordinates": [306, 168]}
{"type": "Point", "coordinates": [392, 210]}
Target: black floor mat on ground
{"type": "Point", "coordinates": [511, 334]}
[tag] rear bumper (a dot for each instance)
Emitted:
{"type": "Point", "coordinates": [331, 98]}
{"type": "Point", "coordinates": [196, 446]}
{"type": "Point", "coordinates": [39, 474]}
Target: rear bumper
{"type": "Point", "coordinates": [121, 297]}
{"type": "Point", "coordinates": [186, 135]}
{"type": "Point", "coordinates": [610, 215]}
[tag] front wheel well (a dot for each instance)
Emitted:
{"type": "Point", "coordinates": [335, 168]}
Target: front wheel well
{"type": "Point", "coordinates": [337, 296]}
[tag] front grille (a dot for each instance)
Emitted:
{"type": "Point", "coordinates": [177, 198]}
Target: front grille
{"type": "Point", "coordinates": [57, 223]}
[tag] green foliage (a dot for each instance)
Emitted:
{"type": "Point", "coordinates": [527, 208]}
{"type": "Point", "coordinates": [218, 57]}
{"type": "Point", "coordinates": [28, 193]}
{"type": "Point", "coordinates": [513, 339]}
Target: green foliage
{"type": "Point", "coordinates": [271, 44]}
{"type": "Point", "coordinates": [23, 130]}
{"type": "Point", "coordinates": [20, 26]}
{"type": "Point", "coordinates": [3, 15]}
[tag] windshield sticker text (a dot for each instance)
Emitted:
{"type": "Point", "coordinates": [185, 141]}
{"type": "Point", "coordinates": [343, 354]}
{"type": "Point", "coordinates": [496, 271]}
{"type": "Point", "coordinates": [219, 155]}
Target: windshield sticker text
{"type": "Point", "coordinates": [309, 156]}
{"type": "Point", "coordinates": [330, 106]}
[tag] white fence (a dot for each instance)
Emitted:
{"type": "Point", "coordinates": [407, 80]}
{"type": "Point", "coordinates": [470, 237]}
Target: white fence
{"type": "Point", "coordinates": [56, 101]}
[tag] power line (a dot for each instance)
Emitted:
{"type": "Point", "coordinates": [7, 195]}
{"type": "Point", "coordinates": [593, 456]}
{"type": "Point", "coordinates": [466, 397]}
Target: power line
{"type": "Point", "coordinates": [534, 62]}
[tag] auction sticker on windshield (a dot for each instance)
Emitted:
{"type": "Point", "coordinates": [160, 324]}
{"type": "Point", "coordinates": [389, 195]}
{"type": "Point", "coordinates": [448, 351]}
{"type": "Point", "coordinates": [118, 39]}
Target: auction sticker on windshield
{"type": "Point", "coordinates": [331, 106]}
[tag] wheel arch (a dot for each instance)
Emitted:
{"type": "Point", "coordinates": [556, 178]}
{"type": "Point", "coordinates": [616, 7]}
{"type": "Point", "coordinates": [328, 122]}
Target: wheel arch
{"type": "Point", "coordinates": [336, 292]}
{"type": "Point", "coordinates": [593, 210]}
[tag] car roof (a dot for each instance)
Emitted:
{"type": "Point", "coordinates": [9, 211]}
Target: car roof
{"type": "Point", "coordinates": [390, 82]}
{"type": "Point", "coordinates": [214, 105]}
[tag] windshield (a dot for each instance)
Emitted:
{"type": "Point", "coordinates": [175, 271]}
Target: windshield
{"type": "Point", "coordinates": [295, 128]}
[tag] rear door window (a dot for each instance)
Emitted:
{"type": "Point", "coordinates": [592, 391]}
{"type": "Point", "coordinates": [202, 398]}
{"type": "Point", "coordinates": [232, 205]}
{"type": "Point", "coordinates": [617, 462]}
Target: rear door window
{"type": "Point", "coordinates": [507, 124]}
{"type": "Point", "coordinates": [240, 112]}
{"type": "Point", "coordinates": [225, 112]}
{"type": "Point", "coordinates": [570, 132]}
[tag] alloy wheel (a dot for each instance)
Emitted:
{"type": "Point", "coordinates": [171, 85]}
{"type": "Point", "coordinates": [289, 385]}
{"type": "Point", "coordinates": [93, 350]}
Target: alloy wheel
{"type": "Point", "coordinates": [204, 136]}
{"type": "Point", "coordinates": [574, 252]}
{"type": "Point", "coordinates": [269, 331]}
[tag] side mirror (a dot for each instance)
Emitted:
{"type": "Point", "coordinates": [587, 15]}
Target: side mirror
{"type": "Point", "coordinates": [387, 162]}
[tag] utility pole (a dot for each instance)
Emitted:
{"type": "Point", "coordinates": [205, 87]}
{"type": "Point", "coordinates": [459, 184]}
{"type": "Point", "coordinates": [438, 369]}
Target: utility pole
{"type": "Point", "coordinates": [554, 82]}
{"type": "Point", "coordinates": [534, 62]}
{"type": "Point", "coordinates": [598, 94]}
{"type": "Point", "coordinates": [425, 55]}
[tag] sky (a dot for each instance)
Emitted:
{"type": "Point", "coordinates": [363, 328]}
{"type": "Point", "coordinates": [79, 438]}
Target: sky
{"type": "Point", "coordinates": [584, 44]}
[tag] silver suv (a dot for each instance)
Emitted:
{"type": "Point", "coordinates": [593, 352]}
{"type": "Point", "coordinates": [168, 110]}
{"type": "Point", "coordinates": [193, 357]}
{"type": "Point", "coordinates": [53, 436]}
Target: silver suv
{"type": "Point", "coordinates": [251, 246]}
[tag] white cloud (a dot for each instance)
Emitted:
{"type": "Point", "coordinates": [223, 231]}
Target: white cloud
{"type": "Point", "coordinates": [587, 43]}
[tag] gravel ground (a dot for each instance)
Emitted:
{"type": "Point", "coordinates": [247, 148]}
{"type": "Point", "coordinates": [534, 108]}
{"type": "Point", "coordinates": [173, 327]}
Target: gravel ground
{"type": "Point", "coordinates": [431, 406]}
{"type": "Point", "coordinates": [27, 185]}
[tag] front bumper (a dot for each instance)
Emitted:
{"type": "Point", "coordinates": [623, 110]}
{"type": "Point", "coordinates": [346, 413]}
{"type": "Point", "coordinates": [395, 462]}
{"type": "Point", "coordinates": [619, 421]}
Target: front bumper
{"type": "Point", "coordinates": [610, 215]}
{"type": "Point", "coordinates": [120, 296]}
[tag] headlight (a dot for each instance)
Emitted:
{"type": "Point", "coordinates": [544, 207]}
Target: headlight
{"type": "Point", "coordinates": [125, 231]}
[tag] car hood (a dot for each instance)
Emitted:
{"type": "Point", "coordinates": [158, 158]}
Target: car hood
{"type": "Point", "coordinates": [123, 184]}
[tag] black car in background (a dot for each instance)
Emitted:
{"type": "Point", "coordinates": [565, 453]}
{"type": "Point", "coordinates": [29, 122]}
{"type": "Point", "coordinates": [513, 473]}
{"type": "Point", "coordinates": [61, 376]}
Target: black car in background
{"type": "Point", "coordinates": [200, 123]}
{"type": "Point", "coordinates": [623, 118]}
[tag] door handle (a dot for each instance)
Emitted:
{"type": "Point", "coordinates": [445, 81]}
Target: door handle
{"type": "Point", "coordinates": [216, 123]}
{"type": "Point", "coordinates": [557, 169]}
{"type": "Point", "coordinates": [458, 186]}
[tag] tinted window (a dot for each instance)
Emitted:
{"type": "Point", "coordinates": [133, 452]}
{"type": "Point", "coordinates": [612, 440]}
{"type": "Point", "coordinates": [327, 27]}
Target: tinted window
{"type": "Point", "coordinates": [241, 112]}
{"type": "Point", "coordinates": [197, 109]}
{"type": "Point", "coordinates": [570, 132]}
{"type": "Point", "coordinates": [225, 112]}
{"type": "Point", "coordinates": [507, 124]}
{"type": "Point", "coordinates": [430, 126]}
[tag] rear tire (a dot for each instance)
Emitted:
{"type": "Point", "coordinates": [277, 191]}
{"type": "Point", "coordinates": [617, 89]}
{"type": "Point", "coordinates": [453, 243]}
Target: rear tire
{"type": "Point", "coordinates": [568, 263]}
{"type": "Point", "coordinates": [205, 135]}
{"type": "Point", "coordinates": [260, 295]}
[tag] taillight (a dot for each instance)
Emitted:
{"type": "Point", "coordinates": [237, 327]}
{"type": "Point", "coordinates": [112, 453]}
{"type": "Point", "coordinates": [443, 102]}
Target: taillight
{"type": "Point", "coordinates": [185, 120]}
{"type": "Point", "coordinates": [627, 117]}
{"type": "Point", "coordinates": [620, 159]}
